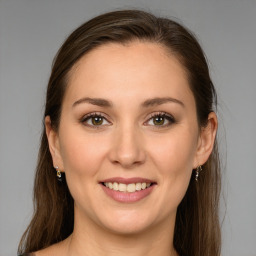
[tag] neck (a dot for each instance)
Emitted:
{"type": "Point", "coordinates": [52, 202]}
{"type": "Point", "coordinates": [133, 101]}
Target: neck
{"type": "Point", "coordinates": [90, 239]}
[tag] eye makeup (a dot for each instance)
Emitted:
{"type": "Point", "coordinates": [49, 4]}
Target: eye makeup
{"type": "Point", "coordinates": [156, 119]}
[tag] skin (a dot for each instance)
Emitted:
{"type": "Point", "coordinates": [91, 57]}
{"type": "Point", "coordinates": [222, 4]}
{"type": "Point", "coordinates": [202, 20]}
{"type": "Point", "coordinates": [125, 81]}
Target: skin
{"type": "Point", "coordinates": [129, 143]}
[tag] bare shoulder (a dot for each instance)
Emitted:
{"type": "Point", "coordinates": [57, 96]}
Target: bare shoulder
{"type": "Point", "coordinates": [57, 249]}
{"type": "Point", "coordinates": [51, 250]}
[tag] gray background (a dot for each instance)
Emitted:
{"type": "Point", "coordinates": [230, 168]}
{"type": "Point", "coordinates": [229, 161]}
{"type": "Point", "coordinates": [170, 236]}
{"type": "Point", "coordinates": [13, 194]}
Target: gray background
{"type": "Point", "coordinates": [31, 31]}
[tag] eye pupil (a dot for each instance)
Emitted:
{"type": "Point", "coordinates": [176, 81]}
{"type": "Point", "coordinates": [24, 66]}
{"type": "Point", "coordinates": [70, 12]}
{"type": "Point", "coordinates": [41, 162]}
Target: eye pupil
{"type": "Point", "coordinates": [158, 120]}
{"type": "Point", "coordinates": [97, 120]}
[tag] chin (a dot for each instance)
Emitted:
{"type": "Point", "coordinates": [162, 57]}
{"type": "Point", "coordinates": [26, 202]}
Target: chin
{"type": "Point", "coordinates": [127, 229]}
{"type": "Point", "coordinates": [128, 223]}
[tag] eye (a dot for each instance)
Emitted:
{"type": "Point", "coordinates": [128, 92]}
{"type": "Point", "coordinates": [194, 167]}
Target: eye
{"type": "Point", "coordinates": [95, 119]}
{"type": "Point", "coordinates": [161, 119]}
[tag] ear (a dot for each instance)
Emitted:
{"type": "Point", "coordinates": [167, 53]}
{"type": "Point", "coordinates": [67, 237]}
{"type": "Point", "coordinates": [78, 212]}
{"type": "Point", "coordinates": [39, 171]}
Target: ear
{"type": "Point", "coordinates": [206, 140]}
{"type": "Point", "coordinates": [54, 145]}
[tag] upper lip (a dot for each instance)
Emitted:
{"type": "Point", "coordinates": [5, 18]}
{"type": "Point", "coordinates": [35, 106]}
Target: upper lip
{"type": "Point", "coordinates": [128, 180]}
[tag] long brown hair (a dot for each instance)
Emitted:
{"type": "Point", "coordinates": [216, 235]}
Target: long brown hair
{"type": "Point", "coordinates": [197, 228]}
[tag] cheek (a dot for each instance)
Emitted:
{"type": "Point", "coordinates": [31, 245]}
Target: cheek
{"type": "Point", "coordinates": [82, 159]}
{"type": "Point", "coordinates": [174, 154]}
{"type": "Point", "coordinates": [173, 158]}
{"type": "Point", "coordinates": [81, 156]}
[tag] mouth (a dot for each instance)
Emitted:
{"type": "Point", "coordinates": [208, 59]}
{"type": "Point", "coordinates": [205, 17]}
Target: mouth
{"type": "Point", "coordinates": [127, 190]}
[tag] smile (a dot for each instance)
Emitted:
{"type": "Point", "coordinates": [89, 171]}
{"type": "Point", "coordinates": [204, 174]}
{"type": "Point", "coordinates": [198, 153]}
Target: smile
{"type": "Point", "coordinates": [130, 188]}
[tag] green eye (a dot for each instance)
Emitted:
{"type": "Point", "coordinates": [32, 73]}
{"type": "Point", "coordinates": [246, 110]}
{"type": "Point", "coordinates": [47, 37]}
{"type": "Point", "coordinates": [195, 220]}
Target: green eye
{"type": "Point", "coordinates": [94, 120]}
{"type": "Point", "coordinates": [158, 120]}
{"type": "Point", "coordinates": [97, 120]}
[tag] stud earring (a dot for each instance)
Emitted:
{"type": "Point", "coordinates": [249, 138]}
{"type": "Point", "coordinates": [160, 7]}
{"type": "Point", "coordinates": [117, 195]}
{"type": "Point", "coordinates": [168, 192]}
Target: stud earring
{"type": "Point", "coordinates": [198, 170]}
{"type": "Point", "coordinates": [58, 174]}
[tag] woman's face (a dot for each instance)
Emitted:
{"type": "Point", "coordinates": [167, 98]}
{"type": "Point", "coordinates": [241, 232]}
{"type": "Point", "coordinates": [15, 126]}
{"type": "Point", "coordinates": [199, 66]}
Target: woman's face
{"type": "Point", "coordinates": [128, 122]}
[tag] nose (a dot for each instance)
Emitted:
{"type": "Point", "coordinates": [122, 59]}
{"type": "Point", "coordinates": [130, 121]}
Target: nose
{"type": "Point", "coordinates": [127, 148]}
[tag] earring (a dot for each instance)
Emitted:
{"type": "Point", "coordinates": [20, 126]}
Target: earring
{"type": "Point", "coordinates": [198, 170]}
{"type": "Point", "coordinates": [58, 174]}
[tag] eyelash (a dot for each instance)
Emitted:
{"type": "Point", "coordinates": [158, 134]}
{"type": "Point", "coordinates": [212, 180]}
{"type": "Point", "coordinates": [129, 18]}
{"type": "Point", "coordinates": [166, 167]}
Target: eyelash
{"type": "Point", "coordinates": [164, 115]}
{"type": "Point", "coordinates": [90, 116]}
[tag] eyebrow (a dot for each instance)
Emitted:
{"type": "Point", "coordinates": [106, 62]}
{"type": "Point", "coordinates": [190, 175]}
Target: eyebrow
{"type": "Point", "coordinates": [160, 101]}
{"type": "Point", "coordinates": [94, 101]}
{"type": "Point", "coordinates": [148, 103]}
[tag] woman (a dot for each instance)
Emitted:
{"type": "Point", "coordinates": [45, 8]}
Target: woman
{"type": "Point", "coordinates": [128, 163]}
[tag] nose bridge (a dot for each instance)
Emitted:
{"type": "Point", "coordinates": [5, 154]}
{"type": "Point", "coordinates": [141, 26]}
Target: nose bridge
{"type": "Point", "coordinates": [127, 149]}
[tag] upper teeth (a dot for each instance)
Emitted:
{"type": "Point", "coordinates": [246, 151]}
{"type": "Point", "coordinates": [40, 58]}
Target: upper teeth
{"type": "Point", "coordinates": [127, 187]}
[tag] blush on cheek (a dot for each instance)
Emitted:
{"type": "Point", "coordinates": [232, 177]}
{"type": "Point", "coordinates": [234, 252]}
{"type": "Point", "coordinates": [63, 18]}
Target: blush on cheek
{"type": "Point", "coordinates": [79, 153]}
{"type": "Point", "coordinates": [80, 164]}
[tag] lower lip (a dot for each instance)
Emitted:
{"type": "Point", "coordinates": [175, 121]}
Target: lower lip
{"type": "Point", "coordinates": [128, 197]}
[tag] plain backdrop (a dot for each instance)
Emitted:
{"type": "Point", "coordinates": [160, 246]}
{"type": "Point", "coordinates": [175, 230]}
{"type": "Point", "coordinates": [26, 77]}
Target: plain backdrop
{"type": "Point", "coordinates": [31, 31]}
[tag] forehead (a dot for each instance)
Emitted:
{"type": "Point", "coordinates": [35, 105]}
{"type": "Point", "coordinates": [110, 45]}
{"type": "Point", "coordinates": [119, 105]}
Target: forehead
{"type": "Point", "coordinates": [137, 68]}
